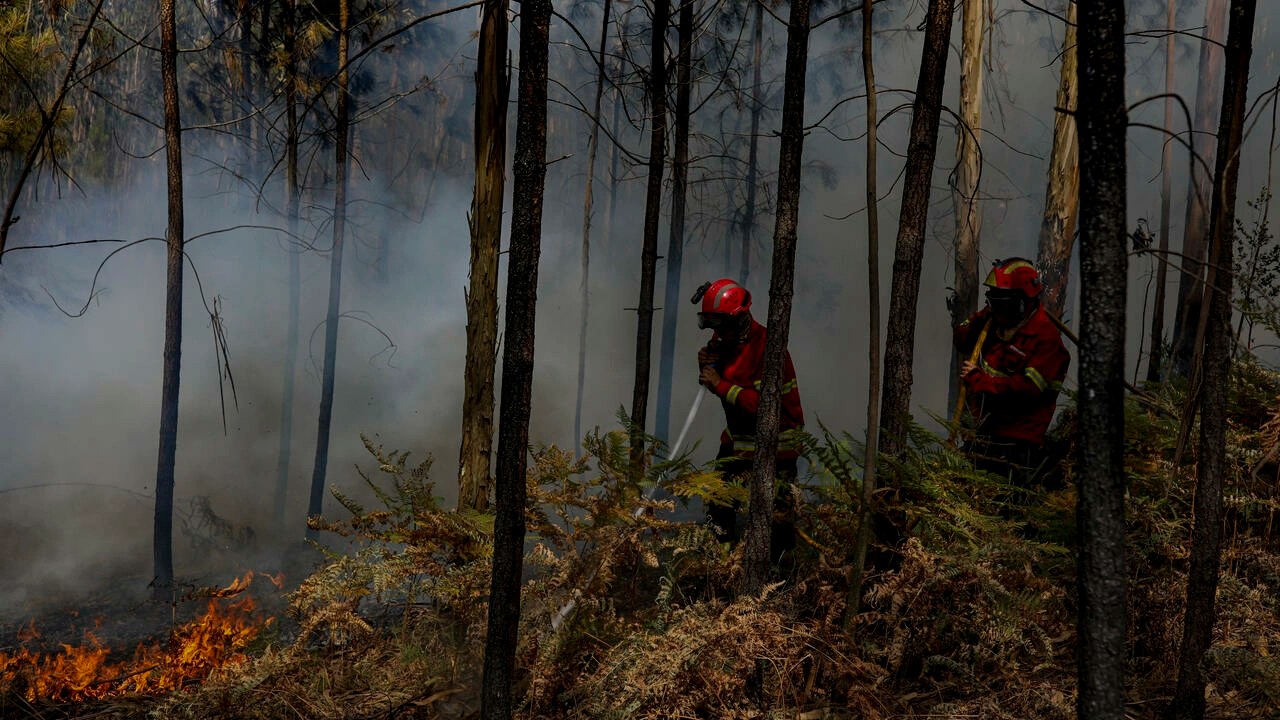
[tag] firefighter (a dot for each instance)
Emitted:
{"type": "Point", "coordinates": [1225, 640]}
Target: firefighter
{"type": "Point", "coordinates": [1013, 386]}
{"type": "Point", "coordinates": [732, 366]}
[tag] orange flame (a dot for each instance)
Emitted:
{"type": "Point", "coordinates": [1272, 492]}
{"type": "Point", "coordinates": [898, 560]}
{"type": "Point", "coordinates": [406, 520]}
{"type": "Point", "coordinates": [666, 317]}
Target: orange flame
{"type": "Point", "coordinates": [195, 650]}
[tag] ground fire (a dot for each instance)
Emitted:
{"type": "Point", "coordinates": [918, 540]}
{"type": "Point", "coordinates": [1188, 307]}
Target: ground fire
{"type": "Point", "coordinates": [196, 649]}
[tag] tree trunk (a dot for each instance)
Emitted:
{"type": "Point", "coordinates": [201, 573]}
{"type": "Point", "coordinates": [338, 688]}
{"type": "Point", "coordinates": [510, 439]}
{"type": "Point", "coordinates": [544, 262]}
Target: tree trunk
{"type": "Point", "coordinates": [854, 598]}
{"type": "Point", "coordinates": [1102, 121]}
{"type": "Point", "coordinates": [486, 240]}
{"type": "Point", "coordinates": [652, 213]}
{"type": "Point", "coordinates": [753, 148]}
{"type": "Point", "coordinates": [964, 190]}
{"type": "Point", "coordinates": [1206, 534]}
{"type": "Point", "coordinates": [162, 543]}
{"type": "Point", "coordinates": [341, 128]}
{"type": "Point", "coordinates": [675, 242]}
{"type": "Point", "coordinates": [756, 553]}
{"type": "Point", "coordinates": [517, 362]}
{"type": "Point", "coordinates": [293, 201]}
{"type": "Point", "coordinates": [593, 146]}
{"type": "Point", "coordinates": [1186, 313]}
{"type": "Point", "coordinates": [895, 411]}
{"type": "Point", "coordinates": [1166, 195]}
{"type": "Point", "coordinates": [1062, 197]}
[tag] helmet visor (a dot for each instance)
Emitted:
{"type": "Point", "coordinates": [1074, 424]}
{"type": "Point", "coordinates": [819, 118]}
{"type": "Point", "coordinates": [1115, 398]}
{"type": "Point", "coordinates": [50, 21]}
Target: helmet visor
{"type": "Point", "coordinates": [712, 321]}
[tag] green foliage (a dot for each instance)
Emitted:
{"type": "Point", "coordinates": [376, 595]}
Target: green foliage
{"type": "Point", "coordinates": [31, 56]}
{"type": "Point", "coordinates": [1257, 269]}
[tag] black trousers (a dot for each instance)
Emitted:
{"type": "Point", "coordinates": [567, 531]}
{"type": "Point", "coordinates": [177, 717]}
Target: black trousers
{"type": "Point", "coordinates": [782, 529]}
{"type": "Point", "coordinates": [1022, 463]}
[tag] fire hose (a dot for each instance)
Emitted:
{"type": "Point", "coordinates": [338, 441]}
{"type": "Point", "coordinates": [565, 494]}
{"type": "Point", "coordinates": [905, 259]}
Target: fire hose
{"type": "Point", "coordinates": [565, 610]}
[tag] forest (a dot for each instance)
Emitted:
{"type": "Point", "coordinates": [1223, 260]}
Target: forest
{"type": "Point", "coordinates": [639, 359]}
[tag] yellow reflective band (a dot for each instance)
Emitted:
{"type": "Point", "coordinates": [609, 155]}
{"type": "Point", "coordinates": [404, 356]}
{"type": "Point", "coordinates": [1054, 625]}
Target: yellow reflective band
{"type": "Point", "coordinates": [1037, 378]}
{"type": "Point", "coordinates": [758, 383]}
{"type": "Point", "coordinates": [732, 395]}
{"type": "Point", "coordinates": [988, 369]}
{"type": "Point", "coordinates": [792, 385]}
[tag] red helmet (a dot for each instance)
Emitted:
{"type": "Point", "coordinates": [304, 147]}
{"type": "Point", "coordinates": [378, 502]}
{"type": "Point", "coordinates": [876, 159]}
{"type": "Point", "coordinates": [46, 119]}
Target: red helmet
{"type": "Point", "coordinates": [722, 300]}
{"type": "Point", "coordinates": [1015, 275]}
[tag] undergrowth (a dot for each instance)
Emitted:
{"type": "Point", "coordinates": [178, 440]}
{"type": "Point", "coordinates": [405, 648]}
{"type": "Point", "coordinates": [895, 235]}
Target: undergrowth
{"type": "Point", "coordinates": [631, 613]}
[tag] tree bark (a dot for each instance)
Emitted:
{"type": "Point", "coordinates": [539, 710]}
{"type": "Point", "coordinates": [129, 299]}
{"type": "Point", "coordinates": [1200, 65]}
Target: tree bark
{"type": "Point", "coordinates": [1206, 534]}
{"type": "Point", "coordinates": [315, 505]}
{"type": "Point", "coordinates": [517, 362]}
{"type": "Point", "coordinates": [895, 410]}
{"type": "Point", "coordinates": [964, 190]}
{"type": "Point", "coordinates": [753, 148]}
{"type": "Point", "coordinates": [675, 241]}
{"type": "Point", "coordinates": [1156, 358]}
{"type": "Point", "coordinates": [486, 239]}
{"type": "Point", "coordinates": [1186, 313]}
{"type": "Point", "coordinates": [162, 542]}
{"type": "Point", "coordinates": [790, 153]}
{"type": "Point", "coordinates": [593, 146]}
{"type": "Point", "coordinates": [293, 201]}
{"type": "Point", "coordinates": [1062, 197]}
{"type": "Point", "coordinates": [1102, 121]}
{"type": "Point", "coordinates": [853, 600]}
{"type": "Point", "coordinates": [652, 214]}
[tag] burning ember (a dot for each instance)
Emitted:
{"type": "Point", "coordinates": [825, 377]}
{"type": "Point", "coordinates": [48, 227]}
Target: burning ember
{"type": "Point", "coordinates": [195, 650]}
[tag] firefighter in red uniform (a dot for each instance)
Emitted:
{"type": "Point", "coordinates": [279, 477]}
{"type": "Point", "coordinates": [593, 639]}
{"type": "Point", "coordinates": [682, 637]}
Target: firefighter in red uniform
{"type": "Point", "coordinates": [732, 366]}
{"type": "Point", "coordinates": [1013, 387]}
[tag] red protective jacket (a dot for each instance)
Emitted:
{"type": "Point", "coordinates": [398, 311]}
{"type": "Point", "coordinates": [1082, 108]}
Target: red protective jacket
{"type": "Point", "coordinates": [1015, 390]}
{"type": "Point", "coordinates": [741, 368]}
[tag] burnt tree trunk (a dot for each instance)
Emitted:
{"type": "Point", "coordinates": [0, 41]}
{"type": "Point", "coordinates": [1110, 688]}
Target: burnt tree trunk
{"type": "Point", "coordinates": [162, 543]}
{"type": "Point", "coordinates": [753, 147]}
{"type": "Point", "coordinates": [486, 239]}
{"type": "Point", "coordinates": [293, 202]}
{"type": "Point", "coordinates": [593, 146]}
{"type": "Point", "coordinates": [853, 599]}
{"type": "Point", "coordinates": [1186, 314]}
{"type": "Point", "coordinates": [341, 128]}
{"type": "Point", "coordinates": [1166, 196]}
{"type": "Point", "coordinates": [899, 353]}
{"type": "Point", "coordinates": [1102, 121]}
{"type": "Point", "coordinates": [964, 189]}
{"type": "Point", "coordinates": [1062, 197]}
{"type": "Point", "coordinates": [652, 215]}
{"type": "Point", "coordinates": [675, 242]}
{"type": "Point", "coordinates": [1206, 533]}
{"type": "Point", "coordinates": [529, 175]}
{"type": "Point", "coordinates": [756, 553]}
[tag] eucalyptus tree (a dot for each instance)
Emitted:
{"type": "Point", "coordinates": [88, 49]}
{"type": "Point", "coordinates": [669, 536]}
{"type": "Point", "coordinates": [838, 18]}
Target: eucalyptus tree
{"type": "Point", "coordinates": [1102, 119]}
{"type": "Point", "coordinates": [1213, 464]}
{"type": "Point", "coordinates": [781, 289]}
{"type": "Point", "coordinates": [517, 362]}
{"type": "Point", "coordinates": [895, 409]}
{"type": "Point", "coordinates": [485, 220]}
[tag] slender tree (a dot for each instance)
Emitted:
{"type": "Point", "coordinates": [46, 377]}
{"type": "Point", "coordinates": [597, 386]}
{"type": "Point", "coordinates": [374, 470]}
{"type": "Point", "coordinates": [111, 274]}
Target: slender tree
{"type": "Point", "coordinates": [486, 239]}
{"type": "Point", "coordinates": [1062, 197]}
{"type": "Point", "coordinates": [593, 146]}
{"type": "Point", "coordinates": [675, 240]}
{"type": "Point", "coordinates": [341, 128]}
{"type": "Point", "coordinates": [899, 353]}
{"type": "Point", "coordinates": [293, 202]}
{"type": "Point", "coordinates": [1166, 195]}
{"type": "Point", "coordinates": [790, 153]}
{"type": "Point", "coordinates": [517, 361]}
{"type": "Point", "coordinates": [1100, 475]}
{"type": "Point", "coordinates": [964, 188]}
{"type": "Point", "coordinates": [869, 464]}
{"type": "Point", "coordinates": [162, 544]}
{"type": "Point", "coordinates": [1206, 533]}
{"type": "Point", "coordinates": [753, 146]}
{"type": "Point", "coordinates": [652, 215]}
{"type": "Point", "coordinates": [1187, 313]}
